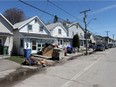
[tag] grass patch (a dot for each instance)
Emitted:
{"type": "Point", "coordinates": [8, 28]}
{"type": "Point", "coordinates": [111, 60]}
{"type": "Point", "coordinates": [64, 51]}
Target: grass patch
{"type": "Point", "coordinates": [17, 59]}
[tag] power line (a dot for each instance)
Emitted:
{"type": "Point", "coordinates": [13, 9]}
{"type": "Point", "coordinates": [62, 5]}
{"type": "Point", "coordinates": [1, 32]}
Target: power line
{"type": "Point", "coordinates": [39, 9]}
{"type": "Point", "coordinates": [44, 9]}
{"type": "Point", "coordinates": [63, 10]}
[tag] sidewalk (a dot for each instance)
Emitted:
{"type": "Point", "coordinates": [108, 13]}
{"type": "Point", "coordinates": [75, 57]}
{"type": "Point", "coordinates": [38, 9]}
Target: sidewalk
{"type": "Point", "coordinates": [7, 66]}
{"type": "Point", "coordinates": [11, 71]}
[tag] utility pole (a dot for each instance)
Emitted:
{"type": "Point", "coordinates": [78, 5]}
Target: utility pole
{"type": "Point", "coordinates": [113, 40]}
{"type": "Point", "coordinates": [84, 20]}
{"type": "Point", "coordinates": [107, 32]}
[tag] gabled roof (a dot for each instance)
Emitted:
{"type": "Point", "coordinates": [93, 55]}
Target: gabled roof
{"type": "Point", "coordinates": [53, 25]}
{"type": "Point", "coordinates": [19, 25]}
{"type": "Point", "coordinates": [23, 23]}
{"type": "Point", "coordinates": [6, 20]}
{"type": "Point", "coordinates": [72, 24]}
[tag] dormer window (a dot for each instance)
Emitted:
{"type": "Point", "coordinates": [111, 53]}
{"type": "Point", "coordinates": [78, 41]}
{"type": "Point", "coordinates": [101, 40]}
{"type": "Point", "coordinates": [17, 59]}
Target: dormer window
{"type": "Point", "coordinates": [30, 27]}
{"type": "Point", "coordinates": [59, 31]}
{"type": "Point", "coordinates": [41, 28]}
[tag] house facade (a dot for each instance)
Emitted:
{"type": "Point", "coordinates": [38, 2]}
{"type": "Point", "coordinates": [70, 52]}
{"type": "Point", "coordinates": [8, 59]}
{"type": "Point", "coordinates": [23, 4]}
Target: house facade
{"type": "Point", "coordinates": [30, 34]}
{"type": "Point", "coordinates": [6, 36]}
{"type": "Point", "coordinates": [73, 29]}
{"type": "Point", "coordinates": [59, 32]}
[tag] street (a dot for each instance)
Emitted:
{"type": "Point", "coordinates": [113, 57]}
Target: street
{"type": "Point", "coordinates": [95, 70]}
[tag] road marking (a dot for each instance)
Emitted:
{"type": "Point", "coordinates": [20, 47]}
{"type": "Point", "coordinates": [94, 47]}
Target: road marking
{"type": "Point", "coordinates": [80, 73]}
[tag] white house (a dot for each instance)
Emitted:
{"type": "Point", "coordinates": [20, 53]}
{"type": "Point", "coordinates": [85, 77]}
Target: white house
{"type": "Point", "coordinates": [6, 36]}
{"type": "Point", "coordinates": [30, 34]}
{"type": "Point", "coordinates": [75, 28]}
{"type": "Point", "coordinates": [59, 32]}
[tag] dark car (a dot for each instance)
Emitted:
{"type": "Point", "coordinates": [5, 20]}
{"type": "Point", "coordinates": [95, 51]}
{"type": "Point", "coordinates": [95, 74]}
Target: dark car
{"type": "Point", "coordinates": [100, 47]}
{"type": "Point", "coordinates": [110, 45]}
{"type": "Point", "coordinates": [106, 46]}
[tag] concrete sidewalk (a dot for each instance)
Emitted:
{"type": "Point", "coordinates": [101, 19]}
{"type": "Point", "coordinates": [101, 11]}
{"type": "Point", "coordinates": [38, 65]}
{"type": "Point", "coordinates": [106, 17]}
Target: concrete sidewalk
{"type": "Point", "coordinates": [10, 69]}
{"type": "Point", "coordinates": [7, 66]}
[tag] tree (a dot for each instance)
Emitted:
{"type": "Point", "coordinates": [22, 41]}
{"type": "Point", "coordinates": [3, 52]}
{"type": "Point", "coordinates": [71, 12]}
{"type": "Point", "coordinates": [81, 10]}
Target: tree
{"type": "Point", "coordinates": [76, 42]}
{"type": "Point", "coordinates": [14, 15]}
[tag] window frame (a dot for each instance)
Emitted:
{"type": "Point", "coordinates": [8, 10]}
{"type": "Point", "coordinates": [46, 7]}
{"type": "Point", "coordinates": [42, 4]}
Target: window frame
{"type": "Point", "coordinates": [29, 27]}
{"type": "Point", "coordinates": [59, 31]}
{"type": "Point", "coordinates": [41, 27]}
{"type": "Point", "coordinates": [34, 45]}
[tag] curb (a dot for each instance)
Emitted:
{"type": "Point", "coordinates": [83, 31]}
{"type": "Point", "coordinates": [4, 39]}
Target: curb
{"type": "Point", "coordinates": [25, 71]}
{"type": "Point", "coordinates": [18, 75]}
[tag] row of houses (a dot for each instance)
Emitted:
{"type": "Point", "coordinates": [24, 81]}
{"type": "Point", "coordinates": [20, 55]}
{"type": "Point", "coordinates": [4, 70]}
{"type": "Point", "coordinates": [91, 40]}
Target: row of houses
{"type": "Point", "coordinates": [33, 34]}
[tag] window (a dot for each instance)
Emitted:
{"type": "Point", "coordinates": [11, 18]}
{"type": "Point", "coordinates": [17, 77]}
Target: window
{"type": "Point", "coordinates": [59, 31]}
{"type": "Point", "coordinates": [41, 28]}
{"type": "Point", "coordinates": [81, 36]}
{"type": "Point", "coordinates": [29, 27]}
{"type": "Point", "coordinates": [81, 43]}
{"type": "Point", "coordinates": [72, 33]}
{"type": "Point", "coordinates": [33, 45]}
{"type": "Point", "coordinates": [21, 43]}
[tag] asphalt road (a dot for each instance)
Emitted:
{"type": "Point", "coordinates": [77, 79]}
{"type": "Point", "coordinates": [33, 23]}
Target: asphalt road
{"type": "Point", "coordinates": [96, 70]}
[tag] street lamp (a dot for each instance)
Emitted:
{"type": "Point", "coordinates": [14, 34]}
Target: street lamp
{"type": "Point", "coordinates": [91, 20]}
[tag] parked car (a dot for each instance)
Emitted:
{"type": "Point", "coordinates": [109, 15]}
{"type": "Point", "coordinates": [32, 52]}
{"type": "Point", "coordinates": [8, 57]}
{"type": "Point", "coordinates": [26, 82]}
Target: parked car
{"type": "Point", "coordinates": [110, 45]}
{"type": "Point", "coordinates": [106, 46]}
{"type": "Point", "coordinates": [100, 47]}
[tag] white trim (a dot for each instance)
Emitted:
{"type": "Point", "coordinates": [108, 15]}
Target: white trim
{"type": "Point", "coordinates": [31, 20]}
{"type": "Point", "coordinates": [6, 20]}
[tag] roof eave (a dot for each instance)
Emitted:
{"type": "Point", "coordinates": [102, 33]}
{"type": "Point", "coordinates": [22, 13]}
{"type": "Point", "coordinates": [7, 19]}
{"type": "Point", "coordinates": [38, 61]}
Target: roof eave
{"type": "Point", "coordinates": [7, 21]}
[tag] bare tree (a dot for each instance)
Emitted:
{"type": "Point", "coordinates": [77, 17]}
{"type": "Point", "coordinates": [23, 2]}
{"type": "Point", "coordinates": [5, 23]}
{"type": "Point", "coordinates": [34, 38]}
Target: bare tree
{"type": "Point", "coordinates": [14, 15]}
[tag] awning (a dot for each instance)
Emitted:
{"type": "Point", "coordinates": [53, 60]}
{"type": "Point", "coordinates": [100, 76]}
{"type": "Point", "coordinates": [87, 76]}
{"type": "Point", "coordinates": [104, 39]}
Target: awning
{"type": "Point", "coordinates": [39, 36]}
{"type": "Point", "coordinates": [5, 34]}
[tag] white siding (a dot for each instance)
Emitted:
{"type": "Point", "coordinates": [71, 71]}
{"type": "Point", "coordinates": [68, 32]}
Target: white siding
{"type": "Point", "coordinates": [54, 32]}
{"type": "Point", "coordinates": [76, 30]}
{"type": "Point", "coordinates": [35, 28]}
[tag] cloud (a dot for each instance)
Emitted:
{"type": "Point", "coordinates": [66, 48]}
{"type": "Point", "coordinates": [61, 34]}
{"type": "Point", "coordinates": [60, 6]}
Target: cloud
{"type": "Point", "coordinates": [103, 9]}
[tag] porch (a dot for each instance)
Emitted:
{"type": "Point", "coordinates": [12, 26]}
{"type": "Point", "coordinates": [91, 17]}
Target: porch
{"type": "Point", "coordinates": [35, 42]}
{"type": "Point", "coordinates": [6, 43]}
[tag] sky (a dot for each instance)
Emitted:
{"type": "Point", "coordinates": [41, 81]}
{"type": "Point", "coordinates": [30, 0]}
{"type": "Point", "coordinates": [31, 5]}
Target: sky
{"type": "Point", "coordinates": [103, 10]}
